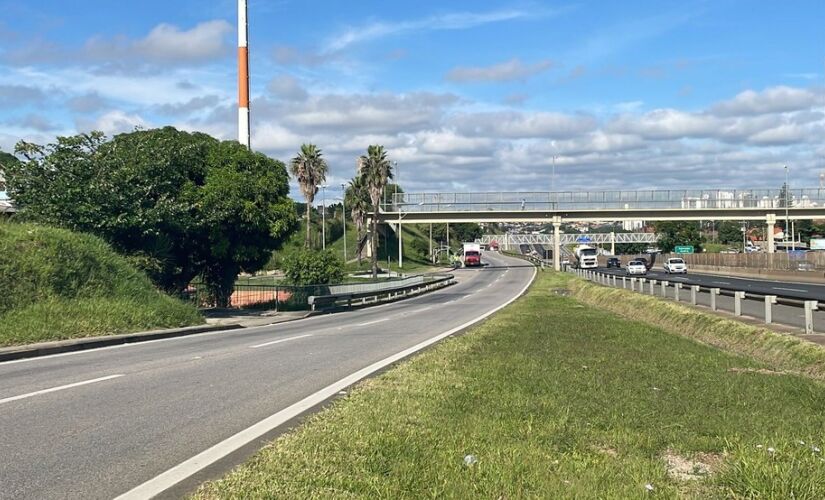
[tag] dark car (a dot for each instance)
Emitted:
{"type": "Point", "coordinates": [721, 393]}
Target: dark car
{"type": "Point", "coordinates": [643, 261]}
{"type": "Point", "coordinates": [614, 262]}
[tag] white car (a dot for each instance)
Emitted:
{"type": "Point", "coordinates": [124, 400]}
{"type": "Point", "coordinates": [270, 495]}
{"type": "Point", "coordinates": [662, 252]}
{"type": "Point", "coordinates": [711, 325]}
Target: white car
{"type": "Point", "coordinates": [636, 267]}
{"type": "Point", "coordinates": [675, 266]}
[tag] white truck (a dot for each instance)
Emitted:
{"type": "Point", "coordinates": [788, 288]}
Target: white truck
{"type": "Point", "coordinates": [472, 254]}
{"type": "Point", "coordinates": [587, 257]}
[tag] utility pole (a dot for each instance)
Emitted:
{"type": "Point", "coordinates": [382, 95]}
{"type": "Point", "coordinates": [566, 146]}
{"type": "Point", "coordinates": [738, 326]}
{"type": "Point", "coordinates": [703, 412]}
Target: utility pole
{"type": "Point", "coordinates": [787, 219]}
{"type": "Point", "coordinates": [324, 218]}
{"type": "Point", "coordinates": [244, 136]}
{"type": "Point", "coordinates": [344, 217]}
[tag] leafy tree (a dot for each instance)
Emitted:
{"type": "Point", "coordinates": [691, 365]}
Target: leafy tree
{"type": "Point", "coordinates": [310, 170]}
{"type": "Point", "coordinates": [178, 204]}
{"type": "Point", "coordinates": [305, 267]}
{"type": "Point", "coordinates": [679, 233]}
{"type": "Point", "coordinates": [376, 171]}
{"type": "Point", "coordinates": [730, 232]}
{"type": "Point", "coordinates": [6, 159]}
{"type": "Point", "coordinates": [459, 232]}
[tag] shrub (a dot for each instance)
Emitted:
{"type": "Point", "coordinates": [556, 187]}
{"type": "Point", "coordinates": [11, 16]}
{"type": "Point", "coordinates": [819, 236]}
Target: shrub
{"type": "Point", "coordinates": [310, 267]}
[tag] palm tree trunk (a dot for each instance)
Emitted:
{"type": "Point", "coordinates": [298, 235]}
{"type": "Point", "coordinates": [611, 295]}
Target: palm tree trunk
{"type": "Point", "coordinates": [309, 208]}
{"type": "Point", "coordinates": [374, 243]}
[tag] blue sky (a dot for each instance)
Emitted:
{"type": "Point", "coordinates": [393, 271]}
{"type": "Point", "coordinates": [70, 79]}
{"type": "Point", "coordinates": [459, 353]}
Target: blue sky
{"type": "Point", "coordinates": [465, 95]}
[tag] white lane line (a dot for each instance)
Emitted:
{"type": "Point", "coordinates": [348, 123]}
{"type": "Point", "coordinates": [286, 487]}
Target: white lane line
{"type": "Point", "coordinates": [373, 322]}
{"type": "Point", "coordinates": [173, 476]}
{"type": "Point", "coordinates": [788, 289]}
{"type": "Point", "coordinates": [60, 388]}
{"type": "Point", "coordinates": [721, 282]}
{"type": "Point", "coordinates": [280, 340]}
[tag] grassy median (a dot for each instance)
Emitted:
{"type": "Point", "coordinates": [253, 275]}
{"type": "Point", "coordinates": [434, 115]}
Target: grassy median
{"type": "Point", "coordinates": [554, 399]}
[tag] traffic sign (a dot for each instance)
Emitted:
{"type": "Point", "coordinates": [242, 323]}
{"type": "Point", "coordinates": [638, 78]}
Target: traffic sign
{"type": "Point", "coordinates": [684, 249]}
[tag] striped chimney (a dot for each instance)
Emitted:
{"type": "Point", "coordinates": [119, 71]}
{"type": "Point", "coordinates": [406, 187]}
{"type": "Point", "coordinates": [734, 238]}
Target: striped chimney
{"type": "Point", "coordinates": [243, 75]}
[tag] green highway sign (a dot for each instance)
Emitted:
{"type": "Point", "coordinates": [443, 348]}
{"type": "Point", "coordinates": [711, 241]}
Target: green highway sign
{"type": "Point", "coordinates": [684, 249]}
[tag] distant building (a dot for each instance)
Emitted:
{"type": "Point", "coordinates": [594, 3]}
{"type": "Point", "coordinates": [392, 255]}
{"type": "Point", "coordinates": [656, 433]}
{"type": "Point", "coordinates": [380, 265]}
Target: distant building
{"type": "Point", "coordinates": [633, 225]}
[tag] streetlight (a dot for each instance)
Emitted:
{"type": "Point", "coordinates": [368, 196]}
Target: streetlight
{"type": "Point", "coordinates": [787, 225]}
{"type": "Point", "coordinates": [344, 217]}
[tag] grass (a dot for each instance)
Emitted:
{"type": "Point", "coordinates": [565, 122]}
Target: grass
{"type": "Point", "coordinates": [555, 399]}
{"type": "Point", "coordinates": [58, 285]}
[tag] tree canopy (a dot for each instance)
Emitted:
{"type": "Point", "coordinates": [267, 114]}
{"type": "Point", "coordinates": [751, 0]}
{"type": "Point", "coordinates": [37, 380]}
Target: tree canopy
{"type": "Point", "coordinates": [178, 204]}
{"type": "Point", "coordinates": [678, 233]}
{"type": "Point", "coordinates": [310, 170]}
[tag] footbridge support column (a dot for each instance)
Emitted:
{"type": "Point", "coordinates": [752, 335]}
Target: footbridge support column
{"type": "Point", "coordinates": [771, 220]}
{"type": "Point", "coordinates": [557, 243]}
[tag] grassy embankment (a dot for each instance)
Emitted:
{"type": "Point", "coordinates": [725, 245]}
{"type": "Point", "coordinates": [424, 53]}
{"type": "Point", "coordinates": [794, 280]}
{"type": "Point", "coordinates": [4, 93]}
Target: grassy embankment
{"type": "Point", "coordinates": [57, 285]}
{"type": "Point", "coordinates": [556, 399]}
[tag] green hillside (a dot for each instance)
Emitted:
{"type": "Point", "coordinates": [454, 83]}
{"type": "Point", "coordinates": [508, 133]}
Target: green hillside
{"type": "Point", "coordinates": [58, 284]}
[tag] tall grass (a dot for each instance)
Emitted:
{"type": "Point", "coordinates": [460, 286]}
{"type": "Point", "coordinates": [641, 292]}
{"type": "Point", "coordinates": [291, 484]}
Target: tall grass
{"type": "Point", "coordinates": [57, 284]}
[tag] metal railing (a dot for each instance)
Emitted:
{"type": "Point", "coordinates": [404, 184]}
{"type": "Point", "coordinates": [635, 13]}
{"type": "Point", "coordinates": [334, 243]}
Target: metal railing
{"type": "Point", "coordinates": [568, 239]}
{"type": "Point", "coordinates": [350, 299]}
{"type": "Point", "coordinates": [580, 200]}
{"type": "Point", "coordinates": [690, 293]}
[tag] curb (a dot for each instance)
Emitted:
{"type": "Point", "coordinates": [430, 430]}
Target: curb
{"type": "Point", "coordinates": [73, 345]}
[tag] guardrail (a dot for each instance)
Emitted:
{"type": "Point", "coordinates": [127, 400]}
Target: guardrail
{"type": "Point", "coordinates": [347, 300]}
{"type": "Point", "coordinates": [659, 288]}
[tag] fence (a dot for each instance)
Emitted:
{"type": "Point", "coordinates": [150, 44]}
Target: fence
{"type": "Point", "coordinates": [790, 261]}
{"type": "Point", "coordinates": [690, 293]}
{"type": "Point", "coordinates": [287, 297]}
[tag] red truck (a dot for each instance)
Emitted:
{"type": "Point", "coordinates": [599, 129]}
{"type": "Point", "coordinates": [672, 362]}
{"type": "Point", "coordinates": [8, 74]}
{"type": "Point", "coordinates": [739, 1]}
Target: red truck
{"type": "Point", "coordinates": [472, 255]}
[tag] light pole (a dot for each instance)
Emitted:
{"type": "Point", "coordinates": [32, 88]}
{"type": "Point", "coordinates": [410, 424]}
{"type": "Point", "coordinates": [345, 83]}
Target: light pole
{"type": "Point", "coordinates": [344, 217]}
{"type": "Point", "coordinates": [787, 226]}
{"type": "Point", "coordinates": [324, 218]}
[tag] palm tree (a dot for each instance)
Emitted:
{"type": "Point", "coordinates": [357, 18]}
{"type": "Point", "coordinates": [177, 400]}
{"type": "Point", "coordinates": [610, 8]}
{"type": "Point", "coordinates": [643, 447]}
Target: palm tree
{"type": "Point", "coordinates": [310, 170]}
{"type": "Point", "coordinates": [359, 204]}
{"type": "Point", "coordinates": [375, 170]}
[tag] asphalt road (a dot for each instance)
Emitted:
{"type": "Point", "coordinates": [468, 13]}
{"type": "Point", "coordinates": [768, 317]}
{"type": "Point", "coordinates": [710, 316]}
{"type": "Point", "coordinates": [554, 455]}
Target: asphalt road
{"type": "Point", "coordinates": [130, 413]}
{"type": "Point", "coordinates": [804, 291]}
{"type": "Point", "coordinates": [782, 314]}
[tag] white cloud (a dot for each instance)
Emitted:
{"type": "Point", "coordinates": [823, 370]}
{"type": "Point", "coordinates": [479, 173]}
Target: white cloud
{"type": "Point", "coordinates": [510, 70]}
{"type": "Point", "coordinates": [287, 87]}
{"type": "Point", "coordinates": [113, 122]}
{"type": "Point", "coordinates": [452, 21]}
{"type": "Point", "coordinates": [771, 100]}
{"type": "Point", "coordinates": [515, 125]}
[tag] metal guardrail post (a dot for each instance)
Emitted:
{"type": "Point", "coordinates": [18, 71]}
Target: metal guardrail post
{"type": "Point", "coordinates": [769, 301]}
{"type": "Point", "coordinates": [665, 284]}
{"type": "Point", "coordinates": [737, 303]}
{"type": "Point", "coordinates": [642, 282]}
{"type": "Point", "coordinates": [694, 289]}
{"type": "Point", "coordinates": [676, 288]}
{"type": "Point", "coordinates": [624, 282]}
{"type": "Point", "coordinates": [714, 292]}
{"type": "Point", "coordinates": [614, 281]}
{"type": "Point", "coordinates": [652, 287]}
{"type": "Point", "coordinates": [632, 284]}
{"type": "Point", "coordinates": [810, 307]}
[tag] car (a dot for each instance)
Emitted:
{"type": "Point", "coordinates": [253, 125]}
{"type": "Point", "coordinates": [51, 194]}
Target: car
{"type": "Point", "coordinates": [565, 262]}
{"type": "Point", "coordinates": [614, 262]}
{"type": "Point", "coordinates": [643, 261]}
{"type": "Point", "coordinates": [636, 267]}
{"type": "Point", "coordinates": [729, 250]}
{"type": "Point", "coordinates": [675, 265]}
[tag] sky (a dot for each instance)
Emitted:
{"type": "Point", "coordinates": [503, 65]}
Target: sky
{"type": "Point", "coordinates": [465, 96]}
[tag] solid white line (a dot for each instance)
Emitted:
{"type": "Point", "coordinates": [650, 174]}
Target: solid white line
{"type": "Point", "coordinates": [721, 282]}
{"type": "Point", "coordinates": [788, 289]}
{"type": "Point", "coordinates": [55, 389]}
{"type": "Point", "coordinates": [280, 340]}
{"type": "Point", "coordinates": [173, 476]}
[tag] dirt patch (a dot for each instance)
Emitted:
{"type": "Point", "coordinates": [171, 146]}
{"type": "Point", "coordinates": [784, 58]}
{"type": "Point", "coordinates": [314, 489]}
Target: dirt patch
{"type": "Point", "coordinates": [606, 450]}
{"type": "Point", "coordinates": [700, 466]}
{"type": "Point", "coordinates": [762, 371]}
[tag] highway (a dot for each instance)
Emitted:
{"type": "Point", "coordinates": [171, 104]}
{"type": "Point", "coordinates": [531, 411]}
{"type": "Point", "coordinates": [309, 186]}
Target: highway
{"type": "Point", "coordinates": [803, 291]}
{"type": "Point", "coordinates": [96, 424]}
{"type": "Point", "coordinates": [787, 315]}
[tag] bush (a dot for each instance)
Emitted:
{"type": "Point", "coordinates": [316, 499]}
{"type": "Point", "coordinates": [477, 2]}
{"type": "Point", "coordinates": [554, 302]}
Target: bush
{"type": "Point", "coordinates": [309, 267]}
{"type": "Point", "coordinates": [58, 284]}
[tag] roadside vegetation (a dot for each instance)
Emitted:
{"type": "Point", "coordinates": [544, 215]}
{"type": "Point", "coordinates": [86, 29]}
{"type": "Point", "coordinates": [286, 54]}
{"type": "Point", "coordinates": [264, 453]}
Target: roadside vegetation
{"type": "Point", "coordinates": [58, 285]}
{"type": "Point", "coordinates": [552, 398]}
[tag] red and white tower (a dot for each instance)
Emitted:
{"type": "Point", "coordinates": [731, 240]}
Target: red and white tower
{"type": "Point", "coordinates": [243, 75]}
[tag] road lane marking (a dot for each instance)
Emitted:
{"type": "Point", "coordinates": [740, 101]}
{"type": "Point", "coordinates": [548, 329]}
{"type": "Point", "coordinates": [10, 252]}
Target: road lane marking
{"type": "Point", "coordinates": [280, 340]}
{"type": "Point", "coordinates": [373, 322]}
{"type": "Point", "coordinates": [60, 388]}
{"type": "Point", "coordinates": [178, 473]}
{"type": "Point", "coordinates": [721, 282]}
{"type": "Point", "coordinates": [788, 289]}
